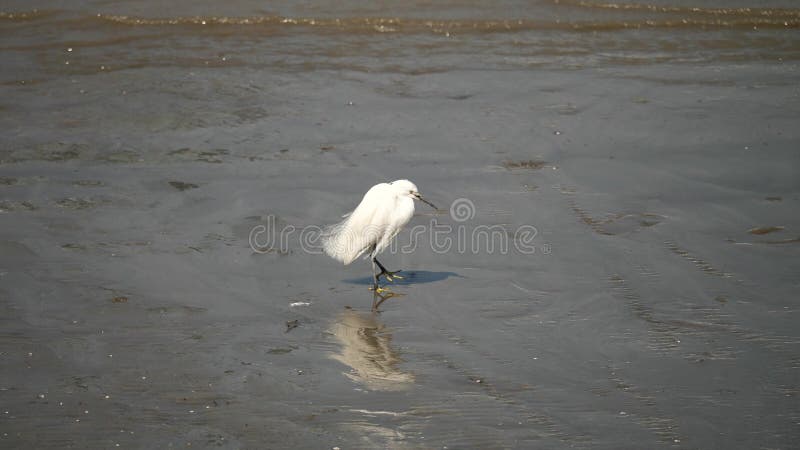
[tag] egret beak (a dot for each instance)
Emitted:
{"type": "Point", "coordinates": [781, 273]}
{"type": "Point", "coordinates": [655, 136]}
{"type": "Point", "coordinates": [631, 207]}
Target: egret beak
{"type": "Point", "coordinates": [419, 197]}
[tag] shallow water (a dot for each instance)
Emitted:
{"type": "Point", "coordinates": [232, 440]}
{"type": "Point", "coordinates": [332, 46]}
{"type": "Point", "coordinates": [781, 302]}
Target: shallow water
{"type": "Point", "coordinates": [649, 149]}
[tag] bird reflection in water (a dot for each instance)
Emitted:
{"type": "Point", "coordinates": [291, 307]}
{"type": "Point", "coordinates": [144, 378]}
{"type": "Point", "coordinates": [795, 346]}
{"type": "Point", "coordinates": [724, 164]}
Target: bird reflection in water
{"type": "Point", "coordinates": [367, 350]}
{"type": "Point", "coordinates": [379, 297]}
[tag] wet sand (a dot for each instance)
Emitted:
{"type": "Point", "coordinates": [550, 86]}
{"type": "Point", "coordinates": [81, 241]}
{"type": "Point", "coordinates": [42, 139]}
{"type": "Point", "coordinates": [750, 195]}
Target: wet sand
{"type": "Point", "coordinates": [656, 309]}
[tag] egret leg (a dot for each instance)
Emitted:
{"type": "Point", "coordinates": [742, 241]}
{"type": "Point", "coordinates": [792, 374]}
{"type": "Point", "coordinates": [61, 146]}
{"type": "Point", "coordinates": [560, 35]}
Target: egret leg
{"type": "Point", "coordinates": [386, 273]}
{"type": "Point", "coordinates": [375, 276]}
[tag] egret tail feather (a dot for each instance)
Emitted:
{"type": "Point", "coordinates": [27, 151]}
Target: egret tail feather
{"type": "Point", "coordinates": [342, 243]}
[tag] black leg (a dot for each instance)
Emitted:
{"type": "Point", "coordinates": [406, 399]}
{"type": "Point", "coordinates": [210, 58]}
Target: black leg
{"type": "Point", "coordinates": [375, 260]}
{"type": "Point", "coordinates": [375, 275]}
{"type": "Point", "coordinates": [388, 274]}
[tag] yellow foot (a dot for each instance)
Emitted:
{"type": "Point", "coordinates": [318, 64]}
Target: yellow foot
{"type": "Point", "coordinates": [381, 290]}
{"type": "Point", "coordinates": [391, 275]}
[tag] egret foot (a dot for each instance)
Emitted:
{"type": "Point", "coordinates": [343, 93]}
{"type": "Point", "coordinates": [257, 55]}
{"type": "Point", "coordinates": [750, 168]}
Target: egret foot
{"type": "Point", "coordinates": [386, 273]}
{"type": "Point", "coordinates": [390, 275]}
{"type": "Point", "coordinates": [381, 290]}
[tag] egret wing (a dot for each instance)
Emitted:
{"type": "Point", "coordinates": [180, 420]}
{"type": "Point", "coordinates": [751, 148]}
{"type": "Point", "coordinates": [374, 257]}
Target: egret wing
{"type": "Point", "coordinates": [361, 229]}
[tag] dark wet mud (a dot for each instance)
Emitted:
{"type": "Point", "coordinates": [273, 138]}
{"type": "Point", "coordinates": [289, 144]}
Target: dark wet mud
{"type": "Point", "coordinates": [614, 265]}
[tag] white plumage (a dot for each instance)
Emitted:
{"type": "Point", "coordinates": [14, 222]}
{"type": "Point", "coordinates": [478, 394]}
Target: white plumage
{"type": "Point", "coordinates": [385, 209]}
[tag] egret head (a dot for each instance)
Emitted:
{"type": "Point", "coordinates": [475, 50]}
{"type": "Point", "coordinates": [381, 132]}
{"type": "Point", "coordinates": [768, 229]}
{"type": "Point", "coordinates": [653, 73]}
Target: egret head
{"type": "Point", "coordinates": [409, 189]}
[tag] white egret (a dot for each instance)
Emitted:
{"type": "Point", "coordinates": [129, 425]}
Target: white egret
{"type": "Point", "coordinates": [382, 213]}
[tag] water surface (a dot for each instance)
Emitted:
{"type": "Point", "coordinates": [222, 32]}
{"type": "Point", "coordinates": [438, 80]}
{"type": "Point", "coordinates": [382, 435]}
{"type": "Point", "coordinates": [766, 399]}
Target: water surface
{"type": "Point", "coordinates": [651, 146]}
